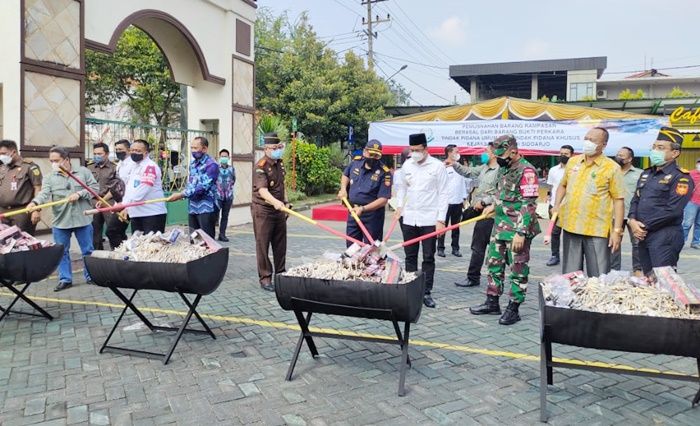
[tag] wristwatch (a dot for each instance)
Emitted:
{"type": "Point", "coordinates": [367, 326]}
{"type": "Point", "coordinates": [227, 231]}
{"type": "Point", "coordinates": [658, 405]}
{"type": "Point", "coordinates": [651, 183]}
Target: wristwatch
{"type": "Point", "coordinates": [618, 230]}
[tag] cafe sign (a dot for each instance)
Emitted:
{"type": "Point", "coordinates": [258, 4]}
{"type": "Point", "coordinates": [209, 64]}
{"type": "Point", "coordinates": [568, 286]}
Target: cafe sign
{"type": "Point", "coordinates": [683, 116]}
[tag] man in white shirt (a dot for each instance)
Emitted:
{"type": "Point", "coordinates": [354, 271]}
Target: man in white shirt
{"type": "Point", "coordinates": [422, 196]}
{"type": "Point", "coordinates": [556, 173]}
{"type": "Point", "coordinates": [457, 190]}
{"type": "Point", "coordinates": [143, 183]}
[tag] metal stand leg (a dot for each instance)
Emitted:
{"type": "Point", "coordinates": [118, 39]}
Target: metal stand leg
{"type": "Point", "coordinates": [19, 294]}
{"type": "Point", "coordinates": [196, 314]}
{"type": "Point", "coordinates": [183, 327]}
{"type": "Point", "coordinates": [303, 324]}
{"type": "Point", "coordinates": [397, 329]}
{"type": "Point", "coordinates": [404, 358]}
{"type": "Point", "coordinates": [544, 378]}
{"type": "Point", "coordinates": [550, 370]}
{"type": "Point", "coordinates": [697, 395]}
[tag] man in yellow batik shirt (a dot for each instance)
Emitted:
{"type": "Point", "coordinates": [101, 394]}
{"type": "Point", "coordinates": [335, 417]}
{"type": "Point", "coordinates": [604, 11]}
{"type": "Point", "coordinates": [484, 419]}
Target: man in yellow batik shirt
{"type": "Point", "coordinates": [589, 199]}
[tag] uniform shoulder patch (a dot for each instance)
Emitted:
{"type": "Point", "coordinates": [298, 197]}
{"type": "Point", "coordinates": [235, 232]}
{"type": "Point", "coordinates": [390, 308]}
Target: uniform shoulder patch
{"type": "Point", "coordinates": [681, 188]}
{"type": "Point", "coordinates": [386, 169]}
{"type": "Point", "coordinates": [357, 157]}
{"type": "Point", "coordinates": [36, 171]}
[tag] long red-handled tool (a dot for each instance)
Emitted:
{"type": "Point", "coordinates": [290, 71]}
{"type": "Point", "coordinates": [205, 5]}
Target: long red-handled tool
{"type": "Point", "coordinates": [393, 223]}
{"type": "Point", "coordinates": [358, 221]}
{"type": "Point", "coordinates": [436, 233]}
{"type": "Point", "coordinates": [550, 228]}
{"type": "Point", "coordinates": [119, 207]}
{"type": "Point", "coordinates": [322, 226]}
{"type": "Point", "coordinates": [84, 185]}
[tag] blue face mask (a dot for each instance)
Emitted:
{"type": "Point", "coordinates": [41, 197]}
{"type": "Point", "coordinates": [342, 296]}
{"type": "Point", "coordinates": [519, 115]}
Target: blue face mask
{"type": "Point", "coordinates": [277, 154]}
{"type": "Point", "coordinates": [484, 157]}
{"type": "Point", "coordinates": [98, 159]}
{"type": "Point", "coordinates": [197, 155]}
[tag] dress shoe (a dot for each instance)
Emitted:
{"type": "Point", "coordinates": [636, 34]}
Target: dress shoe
{"type": "Point", "coordinates": [456, 253]}
{"type": "Point", "coordinates": [428, 301]}
{"type": "Point", "coordinates": [467, 283]}
{"type": "Point", "coordinates": [90, 282]}
{"type": "Point", "coordinates": [553, 261]}
{"type": "Point", "coordinates": [267, 285]}
{"type": "Point", "coordinates": [62, 285]}
{"type": "Point", "coordinates": [695, 246]}
{"type": "Point", "coordinates": [441, 252]}
{"type": "Point", "coordinates": [490, 306]}
{"type": "Point", "coordinates": [511, 315]}
{"type": "Point", "coordinates": [223, 238]}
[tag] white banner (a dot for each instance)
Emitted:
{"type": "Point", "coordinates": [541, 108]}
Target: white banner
{"type": "Point", "coordinates": [532, 136]}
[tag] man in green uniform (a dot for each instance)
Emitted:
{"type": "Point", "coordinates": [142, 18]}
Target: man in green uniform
{"type": "Point", "coordinates": [515, 225]}
{"type": "Point", "coordinates": [20, 181]}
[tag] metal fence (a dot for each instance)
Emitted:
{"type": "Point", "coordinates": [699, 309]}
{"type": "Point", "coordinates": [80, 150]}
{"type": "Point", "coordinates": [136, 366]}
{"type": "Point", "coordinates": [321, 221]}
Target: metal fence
{"type": "Point", "coordinates": [170, 147]}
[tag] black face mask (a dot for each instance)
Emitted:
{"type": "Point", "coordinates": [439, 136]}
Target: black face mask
{"type": "Point", "coordinates": [371, 162]}
{"type": "Point", "coordinates": [504, 162]}
{"type": "Point", "coordinates": [563, 159]}
{"type": "Point", "coordinates": [121, 156]}
{"type": "Point", "coordinates": [620, 161]}
{"type": "Point", "coordinates": [137, 157]}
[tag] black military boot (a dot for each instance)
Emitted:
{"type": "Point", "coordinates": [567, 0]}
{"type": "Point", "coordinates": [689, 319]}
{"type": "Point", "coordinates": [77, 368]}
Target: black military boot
{"type": "Point", "coordinates": [511, 315]}
{"type": "Point", "coordinates": [491, 306]}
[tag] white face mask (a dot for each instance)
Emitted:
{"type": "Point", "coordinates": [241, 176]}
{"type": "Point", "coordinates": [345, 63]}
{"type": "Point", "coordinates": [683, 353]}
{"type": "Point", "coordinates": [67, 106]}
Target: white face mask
{"type": "Point", "coordinates": [697, 167]}
{"type": "Point", "coordinates": [56, 167]}
{"type": "Point", "coordinates": [456, 156]}
{"type": "Point", "coordinates": [5, 159]}
{"type": "Point", "coordinates": [418, 156]}
{"type": "Point", "coordinates": [589, 148]}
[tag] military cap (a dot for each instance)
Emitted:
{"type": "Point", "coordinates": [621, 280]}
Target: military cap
{"type": "Point", "coordinates": [271, 138]}
{"type": "Point", "coordinates": [670, 134]}
{"type": "Point", "coordinates": [502, 144]}
{"type": "Point", "coordinates": [374, 147]}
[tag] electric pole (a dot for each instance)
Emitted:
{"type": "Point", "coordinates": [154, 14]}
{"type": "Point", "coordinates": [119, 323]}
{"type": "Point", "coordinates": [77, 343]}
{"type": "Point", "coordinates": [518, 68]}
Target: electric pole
{"type": "Point", "coordinates": [371, 34]}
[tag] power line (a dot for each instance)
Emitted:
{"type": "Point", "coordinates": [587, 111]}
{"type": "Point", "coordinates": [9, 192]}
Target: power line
{"type": "Point", "coordinates": [658, 69]}
{"type": "Point", "coordinates": [424, 35]}
{"type": "Point", "coordinates": [412, 62]}
{"type": "Point", "coordinates": [419, 85]}
{"type": "Point", "coordinates": [427, 71]}
{"type": "Point", "coordinates": [408, 94]}
{"type": "Point", "coordinates": [371, 35]}
{"type": "Point", "coordinates": [348, 8]}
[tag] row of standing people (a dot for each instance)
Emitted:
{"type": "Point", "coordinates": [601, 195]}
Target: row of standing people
{"type": "Point", "coordinates": [133, 178]}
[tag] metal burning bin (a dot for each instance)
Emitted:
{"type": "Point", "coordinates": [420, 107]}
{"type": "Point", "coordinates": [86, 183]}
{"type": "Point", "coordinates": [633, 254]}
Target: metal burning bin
{"type": "Point", "coordinates": [626, 333]}
{"type": "Point", "coordinates": [199, 277]}
{"type": "Point", "coordinates": [27, 267]}
{"type": "Point", "coordinates": [360, 299]}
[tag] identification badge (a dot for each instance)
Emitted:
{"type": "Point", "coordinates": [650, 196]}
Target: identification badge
{"type": "Point", "coordinates": [13, 186]}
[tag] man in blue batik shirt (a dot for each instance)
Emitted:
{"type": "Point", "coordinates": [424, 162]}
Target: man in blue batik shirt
{"type": "Point", "coordinates": [224, 190]}
{"type": "Point", "coordinates": [201, 188]}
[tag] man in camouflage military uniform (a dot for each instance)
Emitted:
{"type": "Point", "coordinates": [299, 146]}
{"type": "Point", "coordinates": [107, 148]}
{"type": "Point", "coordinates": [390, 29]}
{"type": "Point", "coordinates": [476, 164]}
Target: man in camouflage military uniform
{"type": "Point", "coordinates": [20, 181]}
{"type": "Point", "coordinates": [515, 225]}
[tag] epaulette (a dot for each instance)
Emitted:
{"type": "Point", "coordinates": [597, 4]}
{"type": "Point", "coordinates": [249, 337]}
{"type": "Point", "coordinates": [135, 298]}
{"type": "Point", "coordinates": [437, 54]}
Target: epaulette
{"type": "Point", "coordinates": [686, 171]}
{"type": "Point", "coordinates": [357, 157]}
{"type": "Point", "coordinates": [89, 163]}
{"type": "Point", "coordinates": [385, 168]}
{"type": "Point", "coordinates": [262, 162]}
{"type": "Point", "coordinates": [25, 161]}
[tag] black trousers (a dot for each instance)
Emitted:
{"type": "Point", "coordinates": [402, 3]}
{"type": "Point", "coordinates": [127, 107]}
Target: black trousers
{"type": "Point", "coordinates": [428, 266]}
{"type": "Point", "coordinates": [116, 230]}
{"type": "Point", "coordinates": [661, 247]}
{"type": "Point", "coordinates": [556, 236]}
{"type": "Point", "coordinates": [204, 221]}
{"type": "Point", "coordinates": [373, 221]}
{"type": "Point", "coordinates": [225, 209]}
{"type": "Point", "coordinates": [480, 241]}
{"type": "Point", "coordinates": [454, 214]}
{"type": "Point", "coordinates": [148, 224]}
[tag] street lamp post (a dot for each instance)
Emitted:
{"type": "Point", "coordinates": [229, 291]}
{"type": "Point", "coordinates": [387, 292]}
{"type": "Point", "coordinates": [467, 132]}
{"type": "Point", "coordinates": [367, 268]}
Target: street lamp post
{"type": "Point", "coordinates": [400, 69]}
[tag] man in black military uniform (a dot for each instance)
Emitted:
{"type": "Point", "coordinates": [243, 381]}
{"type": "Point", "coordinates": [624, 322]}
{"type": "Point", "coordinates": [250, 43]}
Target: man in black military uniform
{"type": "Point", "coordinates": [369, 182]}
{"type": "Point", "coordinates": [111, 189]}
{"type": "Point", "coordinates": [656, 210]}
{"type": "Point", "coordinates": [269, 223]}
{"type": "Point", "coordinates": [20, 181]}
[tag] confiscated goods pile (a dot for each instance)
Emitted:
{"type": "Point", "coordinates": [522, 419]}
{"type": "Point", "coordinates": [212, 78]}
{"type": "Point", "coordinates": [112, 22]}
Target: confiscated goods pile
{"type": "Point", "coordinates": [615, 293]}
{"type": "Point", "coordinates": [172, 247]}
{"type": "Point", "coordinates": [12, 239]}
{"type": "Point", "coordinates": [356, 264]}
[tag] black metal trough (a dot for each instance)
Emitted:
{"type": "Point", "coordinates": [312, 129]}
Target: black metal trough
{"type": "Point", "coordinates": [360, 299]}
{"type": "Point", "coordinates": [27, 267]}
{"type": "Point", "coordinates": [617, 332]}
{"type": "Point", "coordinates": [199, 277]}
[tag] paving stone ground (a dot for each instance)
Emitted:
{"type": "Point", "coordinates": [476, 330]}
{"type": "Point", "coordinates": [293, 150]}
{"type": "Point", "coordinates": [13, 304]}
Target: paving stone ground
{"type": "Point", "coordinates": [466, 369]}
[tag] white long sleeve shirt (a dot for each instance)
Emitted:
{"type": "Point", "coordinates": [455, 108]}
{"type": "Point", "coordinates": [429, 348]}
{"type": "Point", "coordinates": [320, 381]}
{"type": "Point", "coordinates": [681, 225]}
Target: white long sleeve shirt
{"type": "Point", "coordinates": [144, 183]}
{"type": "Point", "coordinates": [424, 187]}
{"type": "Point", "coordinates": [457, 186]}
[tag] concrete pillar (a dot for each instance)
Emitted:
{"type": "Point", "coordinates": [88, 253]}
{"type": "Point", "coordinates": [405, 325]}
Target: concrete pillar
{"type": "Point", "coordinates": [534, 87]}
{"type": "Point", "coordinates": [474, 91]}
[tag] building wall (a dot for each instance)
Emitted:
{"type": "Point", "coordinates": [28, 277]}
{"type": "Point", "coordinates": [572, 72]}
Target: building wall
{"type": "Point", "coordinates": [10, 69]}
{"type": "Point", "coordinates": [580, 78]}
{"type": "Point", "coordinates": [652, 89]}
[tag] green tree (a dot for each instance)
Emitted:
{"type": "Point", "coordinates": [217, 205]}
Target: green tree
{"type": "Point", "coordinates": [138, 73]}
{"type": "Point", "coordinates": [677, 92]}
{"type": "Point", "coordinates": [297, 75]}
{"type": "Point", "coordinates": [627, 94]}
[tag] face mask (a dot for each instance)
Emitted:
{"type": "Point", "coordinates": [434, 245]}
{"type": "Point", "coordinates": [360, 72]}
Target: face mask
{"type": "Point", "coordinates": [456, 156]}
{"type": "Point", "coordinates": [620, 161]}
{"type": "Point", "coordinates": [121, 156]}
{"type": "Point", "coordinates": [136, 157]}
{"type": "Point", "coordinates": [589, 148]}
{"type": "Point", "coordinates": [697, 167]}
{"type": "Point", "coordinates": [98, 159]}
{"type": "Point", "coordinates": [417, 157]}
{"type": "Point", "coordinates": [197, 155]}
{"type": "Point", "coordinates": [371, 162]}
{"type": "Point", "coordinates": [484, 158]}
{"type": "Point", "coordinates": [504, 162]}
{"type": "Point", "coordinates": [223, 161]}
{"type": "Point", "coordinates": [656, 157]}
{"type": "Point", "coordinates": [56, 167]}
{"type": "Point", "coordinates": [5, 159]}
{"type": "Point", "coordinates": [277, 154]}
{"type": "Point", "coordinates": [563, 159]}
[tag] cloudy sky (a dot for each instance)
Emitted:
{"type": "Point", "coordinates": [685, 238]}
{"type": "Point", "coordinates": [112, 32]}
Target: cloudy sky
{"type": "Point", "coordinates": [428, 36]}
